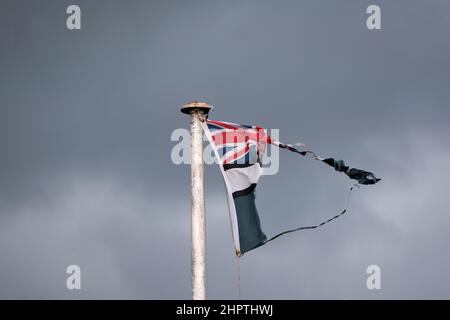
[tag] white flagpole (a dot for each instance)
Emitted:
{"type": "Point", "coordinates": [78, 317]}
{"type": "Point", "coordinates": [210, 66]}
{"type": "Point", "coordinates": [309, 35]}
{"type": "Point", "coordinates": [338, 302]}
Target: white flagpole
{"type": "Point", "coordinates": [197, 111]}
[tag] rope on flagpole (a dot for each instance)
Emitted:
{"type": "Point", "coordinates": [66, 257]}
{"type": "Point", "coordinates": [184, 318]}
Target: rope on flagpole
{"type": "Point", "coordinates": [322, 223]}
{"type": "Point", "coordinates": [238, 271]}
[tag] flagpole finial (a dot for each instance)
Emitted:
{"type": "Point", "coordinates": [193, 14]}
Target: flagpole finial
{"type": "Point", "coordinates": [192, 106]}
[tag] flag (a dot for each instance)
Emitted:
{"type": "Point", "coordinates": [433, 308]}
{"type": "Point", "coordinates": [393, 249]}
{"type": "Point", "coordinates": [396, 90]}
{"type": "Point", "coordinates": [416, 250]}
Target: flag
{"type": "Point", "coordinates": [239, 150]}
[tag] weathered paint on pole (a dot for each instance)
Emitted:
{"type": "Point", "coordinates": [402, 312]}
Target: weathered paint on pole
{"type": "Point", "coordinates": [197, 111]}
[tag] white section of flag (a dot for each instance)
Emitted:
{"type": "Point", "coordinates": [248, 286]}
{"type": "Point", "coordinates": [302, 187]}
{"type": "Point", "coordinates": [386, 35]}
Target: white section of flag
{"type": "Point", "coordinates": [242, 178]}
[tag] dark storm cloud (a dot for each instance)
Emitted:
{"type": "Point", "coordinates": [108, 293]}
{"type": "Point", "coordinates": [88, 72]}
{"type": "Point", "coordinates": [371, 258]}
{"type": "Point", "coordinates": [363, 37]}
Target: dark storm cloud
{"type": "Point", "coordinates": [85, 124]}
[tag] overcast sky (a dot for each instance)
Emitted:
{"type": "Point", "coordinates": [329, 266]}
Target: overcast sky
{"type": "Point", "coordinates": [86, 117]}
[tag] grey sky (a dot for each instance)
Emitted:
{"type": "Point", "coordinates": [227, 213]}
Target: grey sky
{"type": "Point", "coordinates": [85, 123]}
